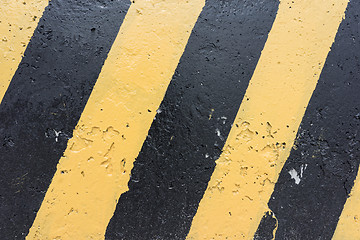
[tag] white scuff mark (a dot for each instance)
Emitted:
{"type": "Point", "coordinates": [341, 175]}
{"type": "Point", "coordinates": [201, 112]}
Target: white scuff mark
{"type": "Point", "coordinates": [223, 119]}
{"type": "Point", "coordinates": [217, 131]}
{"type": "Point", "coordinates": [294, 174]}
{"type": "Point", "coordinates": [207, 155]}
{"type": "Point", "coordinates": [57, 134]}
{"type": "Point", "coordinates": [302, 169]}
{"type": "Point", "coordinates": [158, 111]}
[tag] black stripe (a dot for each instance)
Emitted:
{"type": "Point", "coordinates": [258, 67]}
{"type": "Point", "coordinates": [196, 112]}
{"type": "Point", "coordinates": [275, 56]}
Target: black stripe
{"type": "Point", "coordinates": [328, 144]}
{"type": "Point", "coordinates": [267, 225]}
{"type": "Point", "coordinates": [178, 157]}
{"type": "Point", "coordinates": [48, 93]}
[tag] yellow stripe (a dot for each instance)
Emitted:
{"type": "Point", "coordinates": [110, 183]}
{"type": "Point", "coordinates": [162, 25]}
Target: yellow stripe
{"type": "Point", "coordinates": [18, 20]}
{"type": "Point", "coordinates": [348, 227]}
{"type": "Point", "coordinates": [269, 116]}
{"type": "Point", "coordinates": [97, 162]}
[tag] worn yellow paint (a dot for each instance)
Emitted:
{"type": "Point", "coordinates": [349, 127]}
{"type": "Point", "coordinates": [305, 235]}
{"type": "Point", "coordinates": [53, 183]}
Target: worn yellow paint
{"type": "Point", "coordinates": [349, 222]}
{"type": "Point", "coordinates": [95, 168]}
{"type": "Point", "coordinates": [269, 116]}
{"type": "Point", "coordinates": [18, 20]}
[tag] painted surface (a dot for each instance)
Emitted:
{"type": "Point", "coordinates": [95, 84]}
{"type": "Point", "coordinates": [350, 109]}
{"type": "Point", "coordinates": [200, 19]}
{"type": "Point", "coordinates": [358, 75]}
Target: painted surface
{"type": "Point", "coordinates": [348, 226]}
{"type": "Point", "coordinates": [264, 130]}
{"type": "Point", "coordinates": [45, 99]}
{"type": "Point", "coordinates": [18, 20]}
{"type": "Point", "coordinates": [326, 150]}
{"type": "Point", "coordinates": [96, 165]}
{"type": "Point", "coordinates": [177, 119]}
{"type": "Point", "coordinates": [177, 159]}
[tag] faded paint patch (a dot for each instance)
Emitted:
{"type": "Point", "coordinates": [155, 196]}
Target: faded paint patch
{"type": "Point", "coordinates": [297, 176]}
{"type": "Point", "coordinates": [294, 175]}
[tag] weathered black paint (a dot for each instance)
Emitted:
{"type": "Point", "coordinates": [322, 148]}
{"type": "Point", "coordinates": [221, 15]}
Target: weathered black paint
{"type": "Point", "coordinates": [48, 93]}
{"type": "Point", "coordinates": [178, 157]}
{"type": "Point", "coordinates": [266, 228]}
{"type": "Point", "coordinates": [328, 143]}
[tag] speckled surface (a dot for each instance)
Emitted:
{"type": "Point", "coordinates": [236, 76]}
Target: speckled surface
{"type": "Point", "coordinates": [167, 120]}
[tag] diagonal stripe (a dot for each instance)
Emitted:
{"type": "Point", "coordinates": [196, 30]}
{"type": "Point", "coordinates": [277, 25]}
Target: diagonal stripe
{"type": "Point", "coordinates": [18, 20]}
{"type": "Point", "coordinates": [326, 155]}
{"type": "Point", "coordinates": [268, 118]}
{"type": "Point", "coordinates": [96, 165]}
{"type": "Point", "coordinates": [348, 226]}
{"type": "Point", "coordinates": [45, 98]}
{"type": "Point", "coordinates": [178, 157]}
